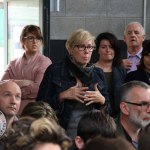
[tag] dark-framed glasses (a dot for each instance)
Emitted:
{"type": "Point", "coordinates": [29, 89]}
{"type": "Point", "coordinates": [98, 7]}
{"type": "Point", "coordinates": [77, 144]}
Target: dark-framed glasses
{"type": "Point", "coordinates": [32, 38]}
{"type": "Point", "coordinates": [144, 105]}
{"type": "Point", "coordinates": [82, 48]}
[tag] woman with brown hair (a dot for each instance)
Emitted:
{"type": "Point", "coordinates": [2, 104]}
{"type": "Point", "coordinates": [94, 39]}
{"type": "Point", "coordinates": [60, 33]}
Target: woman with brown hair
{"type": "Point", "coordinates": [27, 71]}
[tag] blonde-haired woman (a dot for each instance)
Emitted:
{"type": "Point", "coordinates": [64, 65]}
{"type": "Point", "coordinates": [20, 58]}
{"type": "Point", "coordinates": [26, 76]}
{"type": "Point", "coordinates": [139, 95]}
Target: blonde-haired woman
{"type": "Point", "coordinates": [74, 86]}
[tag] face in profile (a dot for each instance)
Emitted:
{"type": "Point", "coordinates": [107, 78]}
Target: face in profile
{"type": "Point", "coordinates": [47, 146]}
{"type": "Point", "coordinates": [10, 98]}
{"type": "Point", "coordinates": [146, 60]}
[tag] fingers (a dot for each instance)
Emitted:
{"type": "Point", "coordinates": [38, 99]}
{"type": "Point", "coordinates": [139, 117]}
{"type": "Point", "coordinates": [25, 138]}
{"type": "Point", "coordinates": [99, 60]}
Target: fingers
{"type": "Point", "coordinates": [126, 63]}
{"type": "Point", "coordinates": [89, 103]}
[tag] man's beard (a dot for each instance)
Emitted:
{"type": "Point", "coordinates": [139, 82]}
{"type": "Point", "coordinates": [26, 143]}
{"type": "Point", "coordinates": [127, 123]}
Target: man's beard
{"type": "Point", "coordinates": [137, 121]}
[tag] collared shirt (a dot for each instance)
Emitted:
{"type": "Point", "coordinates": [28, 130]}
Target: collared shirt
{"type": "Point", "coordinates": [135, 59]}
{"type": "Point", "coordinates": [123, 133]}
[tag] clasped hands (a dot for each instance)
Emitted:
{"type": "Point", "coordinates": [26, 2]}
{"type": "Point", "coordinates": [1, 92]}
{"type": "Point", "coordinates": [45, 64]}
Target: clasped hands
{"type": "Point", "coordinates": [83, 95]}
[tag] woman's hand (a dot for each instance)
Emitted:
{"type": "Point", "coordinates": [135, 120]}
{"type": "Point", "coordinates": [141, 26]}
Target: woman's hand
{"type": "Point", "coordinates": [94, 96]}
{"type": "Point", "coordinates": [74, 93]}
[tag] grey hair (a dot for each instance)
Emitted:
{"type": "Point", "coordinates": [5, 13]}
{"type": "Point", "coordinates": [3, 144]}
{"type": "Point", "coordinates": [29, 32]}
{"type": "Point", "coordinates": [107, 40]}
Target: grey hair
{"type": "Point", "coordinates": [126, 88]}
{"type": "Point", "coordinates": [137, 23]}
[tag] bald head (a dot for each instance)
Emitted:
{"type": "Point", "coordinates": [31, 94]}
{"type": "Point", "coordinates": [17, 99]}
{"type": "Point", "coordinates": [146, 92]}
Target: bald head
{"type": "Point", "coordinates": [10, 98]}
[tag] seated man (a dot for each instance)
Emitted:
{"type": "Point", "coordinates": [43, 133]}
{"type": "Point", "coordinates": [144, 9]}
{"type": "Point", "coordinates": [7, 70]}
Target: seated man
{"type": "Point", "coordinates": [10, 99]}
{"type": "Point", "coordinates": [134, 110]}
{"type": "Point", "coordinates": [94, 123]}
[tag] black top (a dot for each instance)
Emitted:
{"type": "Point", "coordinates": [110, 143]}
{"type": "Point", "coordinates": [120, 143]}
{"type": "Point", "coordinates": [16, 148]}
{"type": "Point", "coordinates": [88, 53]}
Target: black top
{"type": "Point", "coordinates": [139, 75]}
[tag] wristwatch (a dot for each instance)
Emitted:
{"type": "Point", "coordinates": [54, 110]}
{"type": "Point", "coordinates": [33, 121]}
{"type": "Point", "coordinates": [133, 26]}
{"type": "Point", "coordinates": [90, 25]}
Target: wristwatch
{"type": "Point", "coordinates": [3, 124]}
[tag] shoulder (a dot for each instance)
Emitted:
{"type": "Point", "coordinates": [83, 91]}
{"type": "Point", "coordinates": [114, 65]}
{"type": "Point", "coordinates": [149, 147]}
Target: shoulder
{"type": "Point", "coordinates": [98, 70]}
{"type": "Point", "coordinates": [133, 75]}
{"type": "Point", "coordinates": [15, 61]}
{"type": "Point", "coordinates": [44, 59]}
{"type": "Point", "coordinates": [55, 67]}
{"type": "Point", "coordinates": [120, 70]}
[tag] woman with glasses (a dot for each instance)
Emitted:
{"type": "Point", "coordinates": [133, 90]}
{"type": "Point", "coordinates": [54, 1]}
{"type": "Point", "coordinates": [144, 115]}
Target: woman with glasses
{"type": "Point", "coordinates": [27, 71]}
{"type": "Point", "coordinates": [108, 53]}
{"type": "Point", "coordinates": [74, 86]}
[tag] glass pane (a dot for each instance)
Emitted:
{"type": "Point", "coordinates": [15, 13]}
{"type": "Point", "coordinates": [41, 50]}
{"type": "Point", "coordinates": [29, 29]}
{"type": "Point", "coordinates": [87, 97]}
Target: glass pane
{"type": "Point", "coordinates": [20, 13]}
{"type": "Point", "coordinates": [2, 64]}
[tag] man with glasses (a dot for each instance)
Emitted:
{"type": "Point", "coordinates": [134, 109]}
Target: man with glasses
{"type": "Point", "coordinates": [134, 110]}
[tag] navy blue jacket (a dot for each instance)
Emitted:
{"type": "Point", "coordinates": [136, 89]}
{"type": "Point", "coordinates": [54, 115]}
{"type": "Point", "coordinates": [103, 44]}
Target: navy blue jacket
{"type": "Point", "coordinates": [58, 78]}
{"type": "Point", "coordinates": [118, 78]}
{"type": "Point", "coordinates": [139, 75]}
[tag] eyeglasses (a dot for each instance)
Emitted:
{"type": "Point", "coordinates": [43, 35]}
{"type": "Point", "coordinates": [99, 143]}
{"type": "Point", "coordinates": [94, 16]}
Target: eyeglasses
{"type": "Point", "coordinates": [32, 38]}
{"type": "Point", "coordinates": [144, 105]}
{"type": "Point", "coordinates": [83, 48]}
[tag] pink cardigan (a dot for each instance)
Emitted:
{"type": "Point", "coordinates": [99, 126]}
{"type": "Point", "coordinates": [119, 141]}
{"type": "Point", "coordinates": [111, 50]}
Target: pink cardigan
{"type": "Point", "coordinates": [34, 71]}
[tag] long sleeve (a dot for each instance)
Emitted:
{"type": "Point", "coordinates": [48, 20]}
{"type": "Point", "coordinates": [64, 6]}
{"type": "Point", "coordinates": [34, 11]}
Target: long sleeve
{"type": "Point", "coordinates": [33, 71]}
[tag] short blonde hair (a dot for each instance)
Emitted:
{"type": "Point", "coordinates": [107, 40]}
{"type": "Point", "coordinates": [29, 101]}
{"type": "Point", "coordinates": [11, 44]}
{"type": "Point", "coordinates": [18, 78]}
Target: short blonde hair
{"type": "Point", "coordinates": [79, 36]}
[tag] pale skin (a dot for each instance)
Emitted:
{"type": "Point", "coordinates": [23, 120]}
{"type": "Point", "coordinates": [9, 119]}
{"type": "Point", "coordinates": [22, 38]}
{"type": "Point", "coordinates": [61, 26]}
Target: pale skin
{"type": "Point", "coordinates": [10, 99]}
{"type": "Point", "coordinates": [133, 39]}
{"type": "Point", "coordinates": [78, 92]}
{"type": "Point", "coordinates": [31, 48]}
{"type": "Point", "coordinates": [47, 146]}
{"type": "Point", "coordinates": [128, 111]}
{"type": "Point", "coordinates": [106, 56]}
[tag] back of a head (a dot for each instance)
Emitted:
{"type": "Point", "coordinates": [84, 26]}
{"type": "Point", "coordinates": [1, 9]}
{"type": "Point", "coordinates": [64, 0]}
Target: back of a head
{"type": "Point", "coordinates": [144, 139]}
{"type": "Point", "coordinates": [101, 143]}
{"type": "Point", "coordinates": [17, 134]}
{"type": "Point", "coordinates": [94, 123]}
{"type": "Point", "coordinates": [39, 109]}
{"type": "Point", "coordinates": [38, 131]}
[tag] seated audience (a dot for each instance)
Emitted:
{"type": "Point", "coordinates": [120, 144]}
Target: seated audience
{"type": "Point", "coordinates": [108, 52]}
{"type": "Point", "coordinates": [93, 123]}
{"type": "Point", "coordinates": [143, 71]}
{"type": "Point", "coordinates": [144, 139]}
{"type": "Point", "coordinates": [74, 86]}
{"type": "Point", "coordinates": [40, 134]}
{"type": "Point", "coordinates": [39, 109]}
{"type": "Point", "coordinates": [101, 143]}
{"type": "Point", "coordinates": [27, 71]}
{"type": "Point", "coordinates": [135, 110]}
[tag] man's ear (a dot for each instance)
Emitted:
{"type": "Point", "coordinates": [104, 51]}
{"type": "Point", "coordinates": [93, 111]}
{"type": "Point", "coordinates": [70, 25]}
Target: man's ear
{"type": "Point", "coordinates": [79, 142]}
{"type": "Point", "coordinates": [144, 37]}
{"type": "Point", "coordinates": [124, 38]}
{"type": "Point", "coordinates": [124, 108]}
